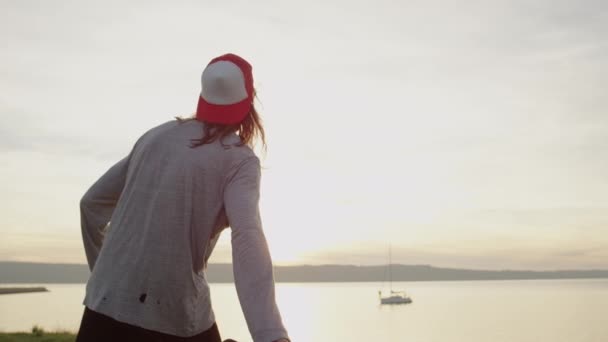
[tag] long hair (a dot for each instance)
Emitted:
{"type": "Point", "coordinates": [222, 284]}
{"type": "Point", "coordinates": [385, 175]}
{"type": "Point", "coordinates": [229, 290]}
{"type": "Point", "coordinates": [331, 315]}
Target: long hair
{"type": "Point", "coordinates": [248, 130]}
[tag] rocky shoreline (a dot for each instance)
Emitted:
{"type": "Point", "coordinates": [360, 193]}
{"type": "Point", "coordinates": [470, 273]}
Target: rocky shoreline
{"type": "Point", "coordinates": [12, 290]}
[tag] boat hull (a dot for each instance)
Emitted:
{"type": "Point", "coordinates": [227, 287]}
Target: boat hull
{"type": "Point", "coordinates": [395, 300]}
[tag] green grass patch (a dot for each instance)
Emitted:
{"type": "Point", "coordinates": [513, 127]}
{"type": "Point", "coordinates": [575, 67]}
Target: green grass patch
{"type": "Point", "coordinates": [29, 337]}
{"type": "Point", "coordinates": [38, 335]}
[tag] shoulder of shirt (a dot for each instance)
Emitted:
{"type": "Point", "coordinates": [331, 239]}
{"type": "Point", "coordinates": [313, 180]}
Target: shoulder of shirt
{"type": "Point", "coordinates": [235, 152]}
{"type": "Point", "coordinates": [159, 128]}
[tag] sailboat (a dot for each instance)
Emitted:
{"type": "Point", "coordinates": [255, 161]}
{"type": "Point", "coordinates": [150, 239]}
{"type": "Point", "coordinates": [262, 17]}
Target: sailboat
{"type": "Point", "coordinates": [394, 297]}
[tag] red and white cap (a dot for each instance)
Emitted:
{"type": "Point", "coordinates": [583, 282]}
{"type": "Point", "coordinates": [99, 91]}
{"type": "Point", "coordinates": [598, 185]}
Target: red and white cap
{"type": "Point", "coordinates": [227, 90]}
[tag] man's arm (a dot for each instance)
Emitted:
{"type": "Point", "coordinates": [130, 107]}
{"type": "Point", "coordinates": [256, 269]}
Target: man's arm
{"type": "Point", "coordinates": [252, 265]}
{"type": "Point", "coordinates": [97, 206]}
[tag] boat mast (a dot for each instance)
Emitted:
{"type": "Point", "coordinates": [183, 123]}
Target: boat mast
{"type": "Point", "coordinates": [390, 269]}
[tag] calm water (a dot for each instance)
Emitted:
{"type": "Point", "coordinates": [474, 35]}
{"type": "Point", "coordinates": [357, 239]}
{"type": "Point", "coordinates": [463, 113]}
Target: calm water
{"type": "Point", "coordinates": [483, 311]}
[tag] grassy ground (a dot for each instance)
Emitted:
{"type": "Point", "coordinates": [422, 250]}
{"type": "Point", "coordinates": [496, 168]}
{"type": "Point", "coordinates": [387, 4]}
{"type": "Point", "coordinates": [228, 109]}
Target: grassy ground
{"type": "Point", "coordinates": [37, 335]}
{"type": "Point", "coordinates": [29, 337]}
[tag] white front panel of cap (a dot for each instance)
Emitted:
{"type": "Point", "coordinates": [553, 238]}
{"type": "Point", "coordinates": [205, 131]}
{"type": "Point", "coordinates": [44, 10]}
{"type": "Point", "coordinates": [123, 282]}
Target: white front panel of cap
{"type": "Point", "coordinates": [223, 83]}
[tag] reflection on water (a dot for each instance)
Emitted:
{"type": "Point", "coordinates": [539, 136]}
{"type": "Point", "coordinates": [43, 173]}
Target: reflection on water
{"type": "Point", "coordinates": [530, 310]}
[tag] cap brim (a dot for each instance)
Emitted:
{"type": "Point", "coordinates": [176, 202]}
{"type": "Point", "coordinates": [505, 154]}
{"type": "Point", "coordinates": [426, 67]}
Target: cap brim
{"type": "Point", "coordinates": [222, 114]}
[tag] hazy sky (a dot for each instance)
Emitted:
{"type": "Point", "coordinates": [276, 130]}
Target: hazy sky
{"type": "Point", "coordinates": [466, 133]}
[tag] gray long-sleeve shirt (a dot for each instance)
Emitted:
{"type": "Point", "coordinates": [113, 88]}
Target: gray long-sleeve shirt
{"type": "Point", "coordinates": [150, 223]}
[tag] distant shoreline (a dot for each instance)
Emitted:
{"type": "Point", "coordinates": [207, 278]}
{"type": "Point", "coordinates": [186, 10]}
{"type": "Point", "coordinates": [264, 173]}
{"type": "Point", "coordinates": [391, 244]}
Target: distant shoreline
{"type": "Point", "coordinates": [39, 273]}
{"type": "Point", "coordinates": [13, 290]}
{"type": "Point", "coordinates": [211, 282]}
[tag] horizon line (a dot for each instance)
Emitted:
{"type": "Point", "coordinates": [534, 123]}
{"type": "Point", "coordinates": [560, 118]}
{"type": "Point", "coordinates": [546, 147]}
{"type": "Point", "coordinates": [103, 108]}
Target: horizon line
{"type": "Point", "coordinates": [352, 265]}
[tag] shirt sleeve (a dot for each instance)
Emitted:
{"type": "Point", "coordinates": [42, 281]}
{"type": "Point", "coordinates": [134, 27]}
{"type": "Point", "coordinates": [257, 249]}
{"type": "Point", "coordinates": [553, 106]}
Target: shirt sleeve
{"type": "Point", "coordinates": [97, 206]}
{"type": "Point", "coordinates": [252, 265]}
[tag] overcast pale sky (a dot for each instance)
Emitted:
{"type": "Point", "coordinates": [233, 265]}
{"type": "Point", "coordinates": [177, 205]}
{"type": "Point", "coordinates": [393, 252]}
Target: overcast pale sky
{"type": "Point", "coordinates": [466, 133]}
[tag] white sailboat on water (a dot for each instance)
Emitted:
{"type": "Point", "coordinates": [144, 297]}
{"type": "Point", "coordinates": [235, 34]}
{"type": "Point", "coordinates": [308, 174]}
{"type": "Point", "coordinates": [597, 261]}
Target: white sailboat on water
{"type": "Point", "coordinates": [394, 297]}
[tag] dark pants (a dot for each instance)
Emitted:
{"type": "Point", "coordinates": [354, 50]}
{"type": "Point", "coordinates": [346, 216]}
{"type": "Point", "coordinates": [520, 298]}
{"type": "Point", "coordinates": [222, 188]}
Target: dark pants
{"type": "Point", "coordinates": [96, 327]}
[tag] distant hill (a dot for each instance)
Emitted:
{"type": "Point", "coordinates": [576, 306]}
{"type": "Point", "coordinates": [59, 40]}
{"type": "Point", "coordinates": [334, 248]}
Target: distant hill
{"type": "Point", "coordinates": [38, 273]}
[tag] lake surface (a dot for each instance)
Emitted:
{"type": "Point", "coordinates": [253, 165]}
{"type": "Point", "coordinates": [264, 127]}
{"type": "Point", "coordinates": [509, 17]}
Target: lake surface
{"type": "Point", "coordinates": [451, 311]}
